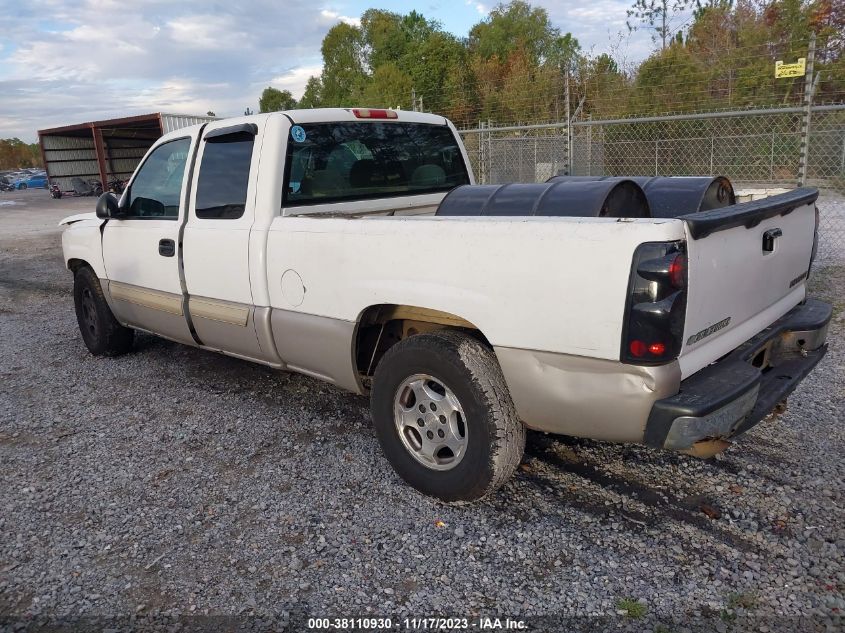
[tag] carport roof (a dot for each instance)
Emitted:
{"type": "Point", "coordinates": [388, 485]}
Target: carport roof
{"type": "Point", "coordinates": [141, 126]}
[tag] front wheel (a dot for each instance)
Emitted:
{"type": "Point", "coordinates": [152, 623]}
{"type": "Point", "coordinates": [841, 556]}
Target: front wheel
{"type": "Point", "coordinates": [444, 417]}
{"type": "Point", "coordinates": [102, 333]}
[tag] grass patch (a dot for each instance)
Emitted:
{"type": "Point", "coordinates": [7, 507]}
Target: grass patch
{"type": "Point", "coordinates": [743, 600]}
{"type": "Point", "coordinates": [632, 607]}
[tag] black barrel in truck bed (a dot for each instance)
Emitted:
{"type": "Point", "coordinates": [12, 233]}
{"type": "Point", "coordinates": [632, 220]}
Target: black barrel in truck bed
{"type": "Point", "coordinates": [675, 196]}
{"type": "Point", "coordinates": [571, 198]}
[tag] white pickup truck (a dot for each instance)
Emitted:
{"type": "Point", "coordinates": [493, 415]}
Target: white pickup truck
{"type": "Point", "coordinates": [310, 241]}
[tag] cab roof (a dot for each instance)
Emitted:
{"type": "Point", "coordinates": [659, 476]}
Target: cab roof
{"type": "Point", "coordinates": [327, 115]}
{"type": "Point", "coordinates": [317, 115]}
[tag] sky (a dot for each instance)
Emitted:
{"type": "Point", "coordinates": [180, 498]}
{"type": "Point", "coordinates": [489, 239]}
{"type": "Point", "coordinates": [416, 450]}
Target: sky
{"type": "Point", "coordinates": [72, 61]}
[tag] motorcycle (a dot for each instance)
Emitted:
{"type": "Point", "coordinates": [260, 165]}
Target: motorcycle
{"type": "Point", "coordinates": [116, 186]}
{"type": "Point", "coordinates": [79, 188]}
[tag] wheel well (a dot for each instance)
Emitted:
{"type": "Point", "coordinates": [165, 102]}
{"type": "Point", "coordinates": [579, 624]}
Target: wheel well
{"type": "Point", "coordinates": [380, 327]}
{"type": "Point", "coordinates": [75, 264]}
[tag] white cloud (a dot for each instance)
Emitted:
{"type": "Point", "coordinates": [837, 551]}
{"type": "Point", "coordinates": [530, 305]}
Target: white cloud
{"type": "Point", "coordinates": [480, 7]}
{"type": "Point", "coordinates": [68, 61]}
{"type": "Point", "coordinates": [334, 16]}
{"type": "Point", "coordinates": [82, 60]}
{"type": "Point", "coordinates": [208, 32]}
{"type": "Point", "coordinates": [295, 79]}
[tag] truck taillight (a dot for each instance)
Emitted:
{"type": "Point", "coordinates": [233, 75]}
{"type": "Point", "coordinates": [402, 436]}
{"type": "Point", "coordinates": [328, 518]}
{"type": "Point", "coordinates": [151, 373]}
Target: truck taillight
{"type": "Point", "coordinates": [657, 297]}
{"type": "Point", "coordinates": [370, 113]}
{"type": "Point", "coordinates": [678, 270]}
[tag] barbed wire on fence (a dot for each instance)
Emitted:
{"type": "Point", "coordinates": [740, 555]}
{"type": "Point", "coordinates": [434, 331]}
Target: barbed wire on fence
{"type": "Point", "coordinates": [672, 83]}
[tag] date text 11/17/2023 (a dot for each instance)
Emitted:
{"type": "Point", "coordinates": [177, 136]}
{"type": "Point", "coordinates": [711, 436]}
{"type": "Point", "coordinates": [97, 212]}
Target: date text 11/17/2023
{"type": "Point", "coordinates": [419, 624]}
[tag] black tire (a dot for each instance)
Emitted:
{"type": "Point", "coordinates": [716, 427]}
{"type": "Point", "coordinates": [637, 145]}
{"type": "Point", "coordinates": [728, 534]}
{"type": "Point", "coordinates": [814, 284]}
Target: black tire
{"type": "Point", "coordinates": [495, 437]}
{"type": "Point", "coordinates": [23, 185]}
{"type": "Point", "coordinates": [102, 334]}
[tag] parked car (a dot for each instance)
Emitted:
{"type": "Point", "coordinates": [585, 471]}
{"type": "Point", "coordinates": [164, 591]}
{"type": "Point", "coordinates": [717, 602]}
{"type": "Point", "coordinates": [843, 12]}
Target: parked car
{"type": "Point", "coordinates": [6, 184]}
{"type": "Point", "coordinates": [33, 182]}
{"type": "Point", "coordinates": [324, 242]}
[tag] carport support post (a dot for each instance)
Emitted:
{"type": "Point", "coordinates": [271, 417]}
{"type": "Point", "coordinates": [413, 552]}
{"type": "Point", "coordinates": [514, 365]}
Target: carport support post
{"type": "Point", "coordinates": [44, 158]}
{"type": "Point", "coordinates": [101, 155]}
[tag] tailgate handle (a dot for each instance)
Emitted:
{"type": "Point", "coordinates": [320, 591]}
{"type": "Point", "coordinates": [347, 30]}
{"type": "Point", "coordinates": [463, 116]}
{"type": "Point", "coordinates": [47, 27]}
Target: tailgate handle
{"type": "Point", "coordinates": [769, 238]}
{"type": "Point", "coordinates": [166, 248]}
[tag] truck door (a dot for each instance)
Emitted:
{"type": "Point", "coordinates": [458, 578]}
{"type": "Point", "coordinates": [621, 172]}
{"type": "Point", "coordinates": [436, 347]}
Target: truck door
{"type": "Point", "coordinates": [140, 249]}
{"type": "Point", "coordinates": [216, 240]}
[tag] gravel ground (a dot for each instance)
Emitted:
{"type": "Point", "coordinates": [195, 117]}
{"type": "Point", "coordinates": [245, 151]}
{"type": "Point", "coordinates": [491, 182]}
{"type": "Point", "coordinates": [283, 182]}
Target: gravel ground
{"type": "Point", "coordinates": [174, 482]}
{"type": "Point", "coordinates": [832, 228]}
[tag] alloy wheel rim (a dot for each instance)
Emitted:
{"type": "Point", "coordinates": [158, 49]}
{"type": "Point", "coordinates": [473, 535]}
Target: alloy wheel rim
{"type": "Point", "coordinates": [430, 422]}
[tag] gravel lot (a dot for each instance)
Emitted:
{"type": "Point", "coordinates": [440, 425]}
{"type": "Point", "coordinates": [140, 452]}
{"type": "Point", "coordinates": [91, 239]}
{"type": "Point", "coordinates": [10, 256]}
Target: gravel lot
{"type": "Point", "coordinates": [174, 482]}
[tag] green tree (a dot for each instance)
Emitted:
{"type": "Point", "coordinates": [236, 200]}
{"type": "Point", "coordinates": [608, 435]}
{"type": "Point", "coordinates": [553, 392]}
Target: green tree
{"type": "Point", "coordinates": [429, 63]}
{"type": "Point", "coordinates": [312, 97]}
{"type": "Point", "coordinates": [384, 39]}
{"type": "Point", "coordinates": [343, 65]}
{"type": "Point", "coordinates": [389, 88]}
{"type": "Point", "coordinates": [672, 80]}
{"type": "Point", "coordinates": [274, 100]}
{"type": "Point", "coordinates": [513, 26]}
{"type": "Point", "coordinates": [656, 15]}
{"type": "Point", "coordinates": [520, 61]}
{"type": "Point", "coordinates": [14, 153]}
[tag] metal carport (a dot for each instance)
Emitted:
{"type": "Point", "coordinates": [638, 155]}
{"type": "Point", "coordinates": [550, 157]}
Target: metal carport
{"type": "Point", "coordinates": [105, 150]}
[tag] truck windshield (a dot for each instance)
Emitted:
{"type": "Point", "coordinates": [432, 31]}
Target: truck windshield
{"type": "Point", "coordinates": [345, 161]}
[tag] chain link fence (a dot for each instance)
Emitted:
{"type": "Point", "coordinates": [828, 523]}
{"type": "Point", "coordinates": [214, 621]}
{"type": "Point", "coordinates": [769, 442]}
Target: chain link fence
{"type": "Point", "coordinates": [526, 153]}
{"type": "Point", "coordinates": [759, 150]}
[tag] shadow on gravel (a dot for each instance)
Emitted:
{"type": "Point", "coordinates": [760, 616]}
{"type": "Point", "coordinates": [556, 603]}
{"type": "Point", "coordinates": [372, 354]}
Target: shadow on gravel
{"type": "Point", "coordinates": [667, 506]}
{"type": "Point", "coordinates": [29, 286]}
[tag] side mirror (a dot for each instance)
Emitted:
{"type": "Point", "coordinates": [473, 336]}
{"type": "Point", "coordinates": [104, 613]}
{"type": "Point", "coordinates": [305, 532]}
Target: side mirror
{"type": "Point", "coordinates": [107, 206]}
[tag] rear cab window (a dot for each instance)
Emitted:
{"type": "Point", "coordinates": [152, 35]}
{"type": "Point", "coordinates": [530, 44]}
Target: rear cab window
{"type": "Point", "coordinates": [224, 176]}
{"type": "Point", "coordinates": [347, 161]}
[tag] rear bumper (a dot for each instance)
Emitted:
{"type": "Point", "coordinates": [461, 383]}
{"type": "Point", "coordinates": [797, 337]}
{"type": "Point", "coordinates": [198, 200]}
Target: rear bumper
{"type": "Point", "coordinates": [733, 394]}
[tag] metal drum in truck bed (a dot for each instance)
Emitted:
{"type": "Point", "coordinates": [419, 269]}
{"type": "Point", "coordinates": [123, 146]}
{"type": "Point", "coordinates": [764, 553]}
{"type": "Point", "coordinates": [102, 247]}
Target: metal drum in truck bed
{"type": "Point", "coordinates": [565, 198]}
{"type": "Point", "coordinates": [674, 196]}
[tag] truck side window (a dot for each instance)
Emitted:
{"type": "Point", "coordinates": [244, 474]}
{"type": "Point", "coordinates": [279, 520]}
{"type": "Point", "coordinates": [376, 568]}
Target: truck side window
{"type": "Point", "coordinates": [156, 190]}
{"type": "Point", "coordinates": [224, 176]}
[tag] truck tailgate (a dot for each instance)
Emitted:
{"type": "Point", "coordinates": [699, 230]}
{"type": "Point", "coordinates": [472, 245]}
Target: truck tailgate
{"type": "Point", "coordinates": [747, 267]}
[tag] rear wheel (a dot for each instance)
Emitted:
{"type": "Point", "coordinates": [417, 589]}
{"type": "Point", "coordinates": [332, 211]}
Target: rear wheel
{"type": "Point", "coordinates": [444, 417]}
{"type": "Point", "coordinates": [102, 333]}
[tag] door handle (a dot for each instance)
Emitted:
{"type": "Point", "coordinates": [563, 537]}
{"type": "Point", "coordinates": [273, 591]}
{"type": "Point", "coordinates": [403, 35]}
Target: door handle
{"type": "Point", "coordinates": [769, 238]}
{"type": "Point", "coordinates": [166, 248]}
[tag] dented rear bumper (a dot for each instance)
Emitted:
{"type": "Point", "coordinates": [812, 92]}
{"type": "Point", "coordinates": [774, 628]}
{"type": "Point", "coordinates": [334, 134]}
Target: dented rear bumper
{"type": "Point", "coordinates": [727, 398]}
